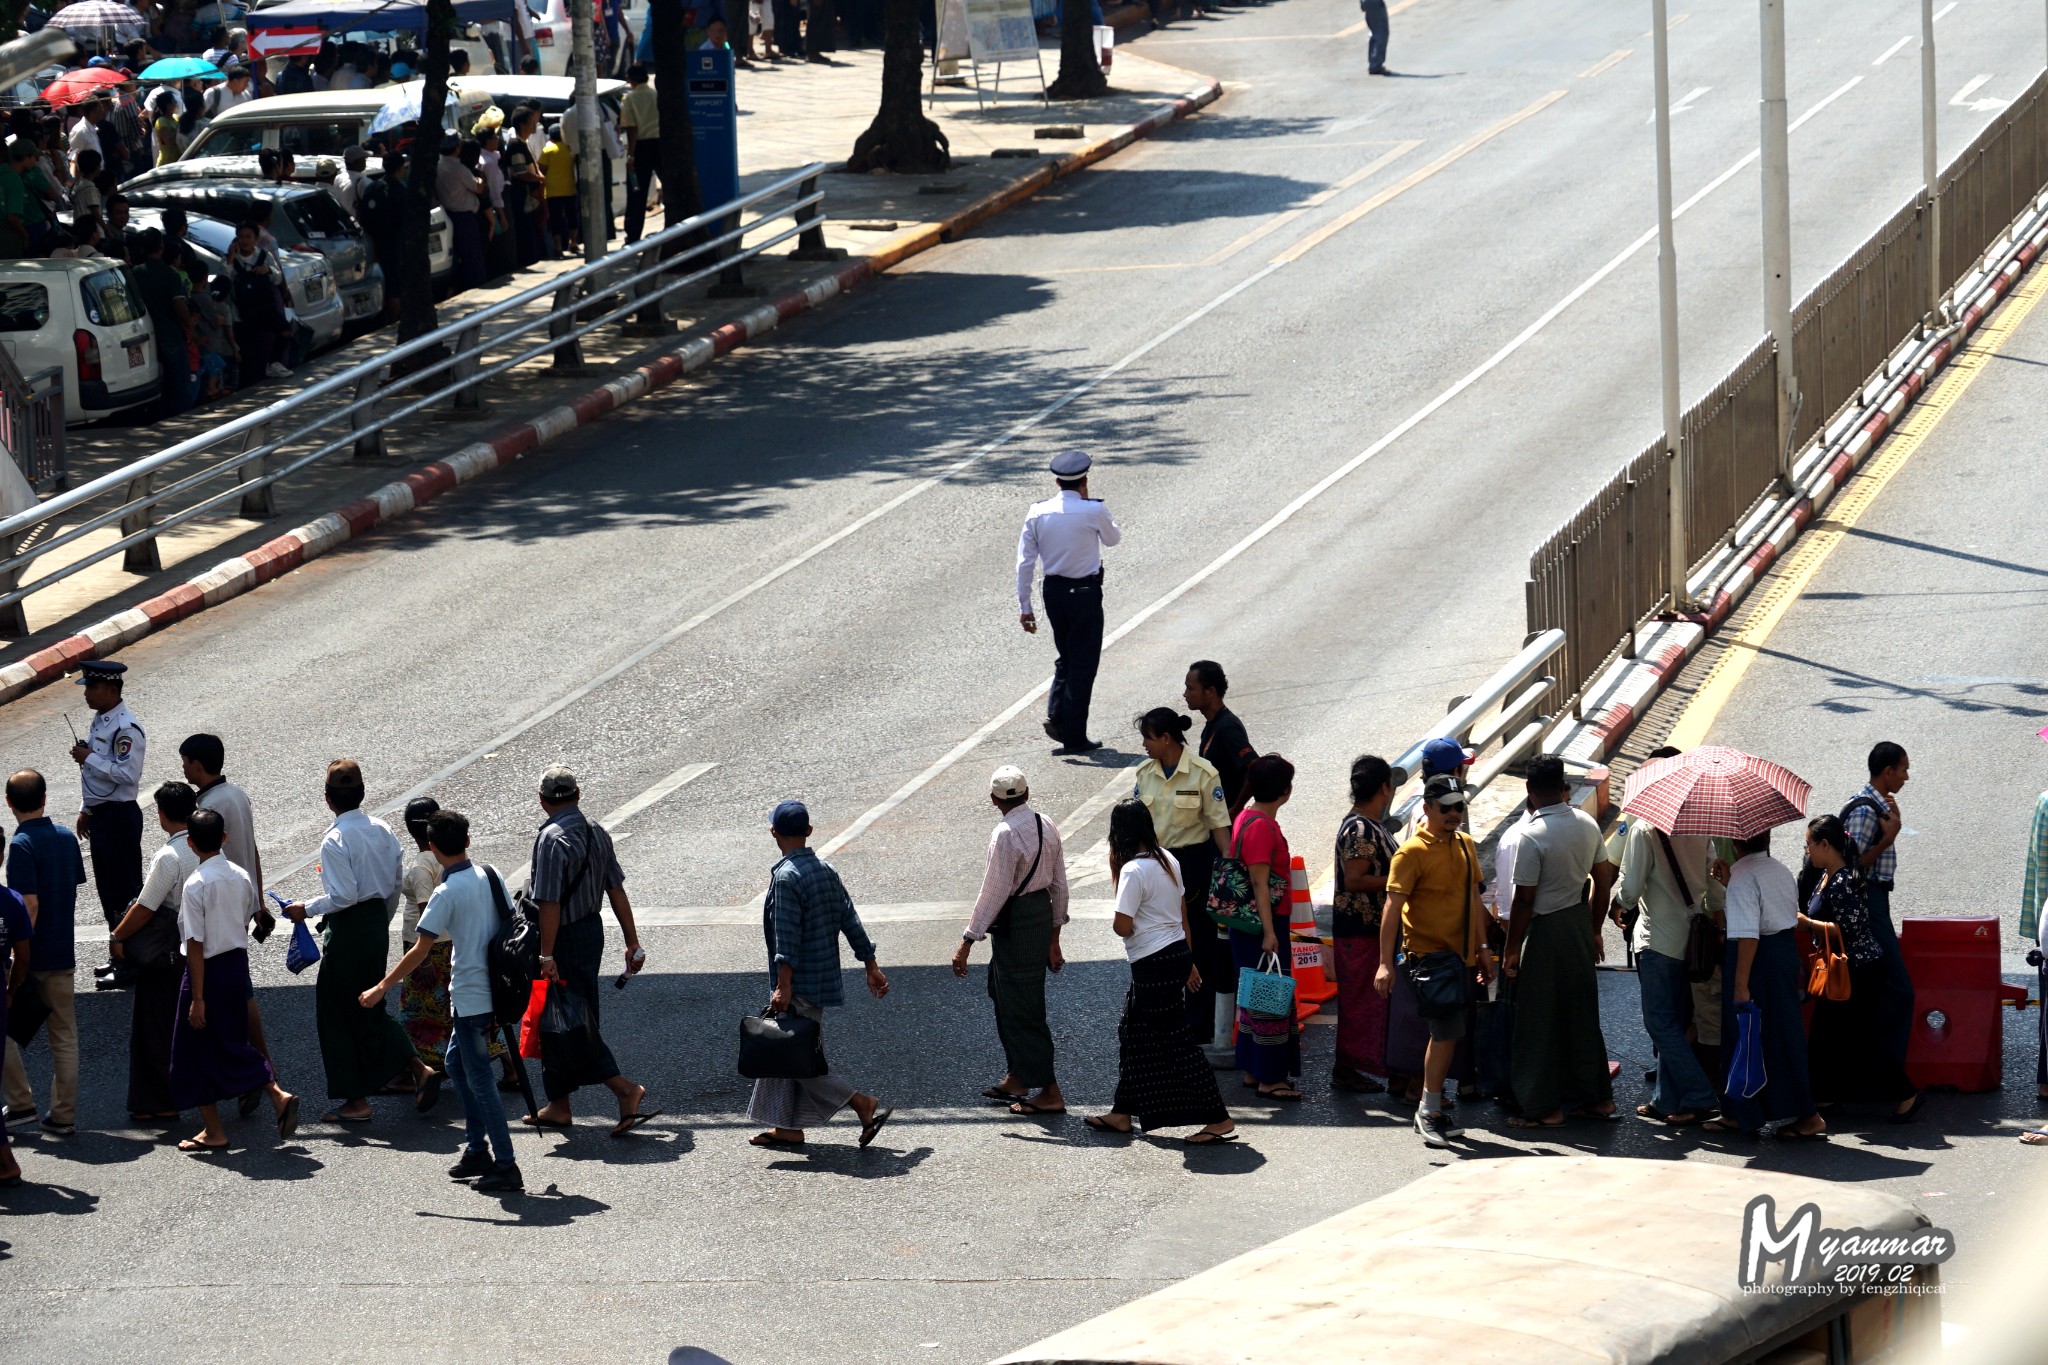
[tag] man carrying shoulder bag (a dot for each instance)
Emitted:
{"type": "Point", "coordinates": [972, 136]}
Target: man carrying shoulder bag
{"type": "Point", "coordinates": [1433, 914]}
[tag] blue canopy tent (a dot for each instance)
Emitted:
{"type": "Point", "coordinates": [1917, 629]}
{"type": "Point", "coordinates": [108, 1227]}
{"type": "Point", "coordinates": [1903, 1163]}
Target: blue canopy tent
{"type": "Point", "coordinates": [372, 16]}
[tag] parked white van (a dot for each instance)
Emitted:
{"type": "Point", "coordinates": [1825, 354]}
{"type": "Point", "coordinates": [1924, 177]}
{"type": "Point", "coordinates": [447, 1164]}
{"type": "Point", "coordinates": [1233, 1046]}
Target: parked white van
{"type": "Point", "coordinates": [86, 318]}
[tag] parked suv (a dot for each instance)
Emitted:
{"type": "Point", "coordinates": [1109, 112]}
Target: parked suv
{"type": "Point", "coordinates": [302, 218]}
{"type": "Point", "coordinates": [86, 318]}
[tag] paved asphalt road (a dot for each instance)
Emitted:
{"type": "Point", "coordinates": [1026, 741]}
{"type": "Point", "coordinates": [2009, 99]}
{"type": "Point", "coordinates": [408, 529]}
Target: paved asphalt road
{"type": "Point", "coordinates": [798, 569]}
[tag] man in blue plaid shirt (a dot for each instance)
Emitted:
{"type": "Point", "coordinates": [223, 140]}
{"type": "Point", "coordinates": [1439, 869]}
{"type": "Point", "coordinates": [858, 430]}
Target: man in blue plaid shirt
{"type": "Point", "coordinates": [1872, 819]}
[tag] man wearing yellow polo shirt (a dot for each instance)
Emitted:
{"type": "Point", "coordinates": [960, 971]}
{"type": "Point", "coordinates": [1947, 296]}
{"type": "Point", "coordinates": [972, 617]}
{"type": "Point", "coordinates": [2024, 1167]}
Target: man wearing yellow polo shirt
{"type": "Point", "coordinates": [1184, 795]}
{"type": "Point", "coordinates": [1433, 910]}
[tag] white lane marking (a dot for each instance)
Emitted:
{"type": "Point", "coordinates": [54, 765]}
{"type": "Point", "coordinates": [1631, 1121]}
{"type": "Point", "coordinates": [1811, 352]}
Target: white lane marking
{"type": "Point", "coordinates": [1975, 83]}
{"type": "Point", "coordinates": [1285, 514]}
{"type": "Point", "coordinates": [1345, 125]}
{"type": "Point", "coordinates": [1895, 49]}
{"type": "Point", "coordinates": [1961, 99]}
{"type": "Point", "coordinates": [1120, 782]}
{"type": "Point", "coordinates": [1683, 105]}
{"type": "Point", "coordinates": [489, 748]}
{"type": "Point", "coordinates": [675, 781]}
{"type": "Point", "coordinates": [1942, 13]}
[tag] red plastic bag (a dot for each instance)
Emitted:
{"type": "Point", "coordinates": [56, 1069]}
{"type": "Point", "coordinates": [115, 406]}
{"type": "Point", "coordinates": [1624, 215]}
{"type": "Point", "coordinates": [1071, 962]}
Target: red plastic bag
{"type": "Point", "coordinates": [529, 1023]}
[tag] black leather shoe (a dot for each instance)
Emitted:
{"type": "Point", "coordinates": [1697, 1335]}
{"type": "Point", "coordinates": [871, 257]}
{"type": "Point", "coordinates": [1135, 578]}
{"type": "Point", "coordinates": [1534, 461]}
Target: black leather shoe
{"type": "Point", "coordinates": [501, 1181]}
{"type": "Point", "coordinates": [472, 1165]}
{"type": "Point", "coordinates": [1052, 732]}
{"type": "Point", "coordinates": [1086, 746]}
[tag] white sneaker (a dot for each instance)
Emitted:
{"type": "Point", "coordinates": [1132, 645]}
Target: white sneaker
{"type": "Point", "coordinates": [277, 371]}
{"type": "Point", "coordinates": [1435, 1129]}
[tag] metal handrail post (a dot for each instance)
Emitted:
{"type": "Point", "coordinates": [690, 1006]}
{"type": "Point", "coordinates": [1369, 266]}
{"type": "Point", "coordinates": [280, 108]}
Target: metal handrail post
{"type": "Point", "coordinates": [810, 244]}
{"type": "Point", "coordinates": [258, 502]}
{"type": "Point", "coordinates": [143, 556]}
{"type": "Point", "coordinates": [13, 616]}
{"type": "Point", "coordinates": [469, 395]}
{"type": "Point", "coordinates": [731, 283]}
{"type": "Point", "coordinates": [568, 355]}
{"type": "Point", "coordinates": [371, 445]}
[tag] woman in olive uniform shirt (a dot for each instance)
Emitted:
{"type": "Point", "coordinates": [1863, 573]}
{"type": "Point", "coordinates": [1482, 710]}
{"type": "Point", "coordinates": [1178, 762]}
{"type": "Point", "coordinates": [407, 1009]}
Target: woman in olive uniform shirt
{"type": "Point", "coordinates": [1184, 796]}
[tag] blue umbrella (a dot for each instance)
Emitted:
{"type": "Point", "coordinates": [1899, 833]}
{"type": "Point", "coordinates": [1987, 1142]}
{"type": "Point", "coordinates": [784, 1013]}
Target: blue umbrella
{"type": "Point", "coordinates": [401, 108]}
{"type": "Point", "coordinates": [181, 69]}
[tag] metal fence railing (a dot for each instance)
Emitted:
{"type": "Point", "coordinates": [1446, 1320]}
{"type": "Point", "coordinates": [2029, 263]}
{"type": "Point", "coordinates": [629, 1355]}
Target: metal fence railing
{"type": "Point", "coordinates": [244, 458]}
{"type": "Point", "coordinates": [1501, 722]}
{"type": "Point", "coordinates": [32, 423]}
{"type": "Point", "coordinates": [1602, 574]}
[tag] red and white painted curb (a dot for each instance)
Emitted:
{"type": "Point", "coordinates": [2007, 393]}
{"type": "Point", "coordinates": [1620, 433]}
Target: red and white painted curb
{"type": "Point", "coordinates": [274, 558]}
{"type": "Point", "coordinates": [1623, 694]}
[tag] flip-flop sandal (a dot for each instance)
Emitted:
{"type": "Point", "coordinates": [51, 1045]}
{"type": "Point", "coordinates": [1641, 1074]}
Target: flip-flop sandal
{"type": "Point", "coordinates": [193, 1147]}
{"type": "Point", "coordinates": [1517, 1121]}
{"type": "Point", "coordinates": [427, 1093]}
{"type": "Point", "coordinates": [1022, 1108]}
{"type": "Point", "coordinates": [1790, 1134]}
{"type": "Point", "coordinates": [508, 1085]}
{"type": "Point", "coordinates": [1722, 1125]}
{"type": "Point", "coordinates": [288, 1119]}
{"type": "Point", "coordinates": [400, 1088]}
{"type": "Point", "coordinates": [2035, 1137]}
{"type": "Point", "coordinates": [1611, 1116]}
{"type": "Point", "coordinates": [336, 1116]}
{"type": "Point", "coordinates": [1102, 1125]}
{"type": "Point", "coordinates": [1683, 1119]}
{"type": "Point", "coordinates": [1002, 1096]}
{"type": "Point", "coordinates": [1287, 1095]}
{"type": "Point", "coordinates": [628, 1122]}
{"type": "Point", "coordinates": [1205, 1138]}
{"type": "Point", "coordinates": [874, 1126]}
{"type": "Point", "coordinates": [770, 1140]}
{"type": "Point", "coordinates": [535, 1121]}
{"type": "Point", "coordinates": [246, 1105]}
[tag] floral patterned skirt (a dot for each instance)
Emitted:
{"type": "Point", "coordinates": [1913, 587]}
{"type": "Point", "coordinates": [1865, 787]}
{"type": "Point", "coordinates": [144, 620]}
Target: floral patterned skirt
{"type": "Point", "coordinates": [423, 1008]}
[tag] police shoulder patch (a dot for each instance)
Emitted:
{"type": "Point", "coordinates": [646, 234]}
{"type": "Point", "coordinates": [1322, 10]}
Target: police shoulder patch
{"type": "Point", "coordinates": [1218, 793]}
{"type": "Point", "coordinates": [122, 745]}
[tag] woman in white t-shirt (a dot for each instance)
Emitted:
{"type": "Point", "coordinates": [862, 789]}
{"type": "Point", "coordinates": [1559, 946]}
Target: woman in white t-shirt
{"type": "Point", "coordinates": [1162, 1080]}
{"type": "Point", "coordinates": [1761, 965]}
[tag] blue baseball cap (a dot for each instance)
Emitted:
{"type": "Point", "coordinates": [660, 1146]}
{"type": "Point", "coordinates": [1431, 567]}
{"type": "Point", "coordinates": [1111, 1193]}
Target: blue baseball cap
{"type": "Point", "coordinates": [790, 820]}
{"type": "Point", "coordinates": [1444, 755]}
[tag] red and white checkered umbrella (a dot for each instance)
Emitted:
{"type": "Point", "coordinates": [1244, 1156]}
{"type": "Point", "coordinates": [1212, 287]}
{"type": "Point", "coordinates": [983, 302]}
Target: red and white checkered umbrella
{"type": "Point", "coordinates": [1715, 791]}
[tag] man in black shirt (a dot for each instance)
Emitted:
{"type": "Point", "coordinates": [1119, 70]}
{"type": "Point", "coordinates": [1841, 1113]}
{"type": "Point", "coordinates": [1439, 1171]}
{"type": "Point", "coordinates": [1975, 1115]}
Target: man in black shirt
{"type": "Point", "coordinates": [1224, 742]}
{"type": "Point", "coordinates": [170, 316]}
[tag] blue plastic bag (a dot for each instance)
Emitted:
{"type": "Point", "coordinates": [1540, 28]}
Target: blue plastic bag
{"type": "Point", "coordinates": [302, 952]}
{"type": "Point", "coordinates": [1746, 1061]}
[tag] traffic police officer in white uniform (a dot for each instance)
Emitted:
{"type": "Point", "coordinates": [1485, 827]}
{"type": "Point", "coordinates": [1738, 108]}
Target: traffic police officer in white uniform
{"type": "Point", "coordinates": [1067, 532]}
{"type": "Point", "coordinates": [109, 776]}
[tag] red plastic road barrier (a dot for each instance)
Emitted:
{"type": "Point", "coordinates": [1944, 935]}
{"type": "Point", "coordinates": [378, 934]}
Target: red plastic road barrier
{"type": "Point", "coordinates": [1958, 1040]}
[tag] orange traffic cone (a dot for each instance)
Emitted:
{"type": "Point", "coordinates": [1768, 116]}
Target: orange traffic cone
{"type": "Point", "coordinates": [1311, 985]}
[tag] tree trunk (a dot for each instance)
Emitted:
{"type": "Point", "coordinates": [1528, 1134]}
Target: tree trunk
{"type": "Point", "coordinates": [1080, 75]}
{"type": "Point", "coordinates": [416, 315]}
{"type": "Point", "coordinates": [901, 138]}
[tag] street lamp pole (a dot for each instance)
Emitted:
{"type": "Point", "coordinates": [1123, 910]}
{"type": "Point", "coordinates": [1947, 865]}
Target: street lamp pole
{"type": "Point", "coordinates": [1667, 309]}
{"type": "Point", "coordinates": [1777, 197]}
{"type": "Point", "coordinates": [1929, 164]}
{"type": "Point", "coordinates": [588, 145]}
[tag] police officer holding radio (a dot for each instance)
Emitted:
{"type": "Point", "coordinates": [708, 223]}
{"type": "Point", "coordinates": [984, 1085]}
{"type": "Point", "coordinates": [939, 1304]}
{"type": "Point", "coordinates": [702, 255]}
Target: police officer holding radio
{"type": "Point", "coordinates": [109, 761]}
{"type": "Point", "coordinates": [1068, 532]}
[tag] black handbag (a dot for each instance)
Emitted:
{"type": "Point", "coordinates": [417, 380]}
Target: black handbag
{"type": "Point", "coordinates": [514, 956]}
{"type": "Point", "coordinates": [783, 1047]}
{"type": "Point", "coordinates": [564, 1012]}
{"type": "Point", "coordinates": [26, 1011]}
{"type": "Point", "coordinates": [1704, 939]}
{"type": "Point", "coordinates": [1441, 981]}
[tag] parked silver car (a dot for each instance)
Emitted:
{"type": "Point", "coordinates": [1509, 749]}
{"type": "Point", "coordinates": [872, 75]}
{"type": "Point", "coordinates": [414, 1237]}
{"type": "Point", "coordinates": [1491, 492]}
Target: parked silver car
{"type": "Point", "coordinates": [314, 299]}
{"type": "Point", "coordinates": [302, 218]}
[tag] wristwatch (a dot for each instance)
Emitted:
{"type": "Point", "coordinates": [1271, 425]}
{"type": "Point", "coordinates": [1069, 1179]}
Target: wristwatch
{"type": "Point", "coordinates": [546, 958]}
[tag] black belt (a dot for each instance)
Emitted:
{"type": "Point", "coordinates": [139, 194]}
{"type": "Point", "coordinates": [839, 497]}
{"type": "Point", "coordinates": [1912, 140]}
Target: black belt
{"type": "Point", "coordinates": [1093, 578]}
{"type": "Point", "coordinates": [100, 805]}
{"type": "Point", "coordinates": [1882, 886]}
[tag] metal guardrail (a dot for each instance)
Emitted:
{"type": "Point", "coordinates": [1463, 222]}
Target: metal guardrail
{"type": "Point", "coordinates": [630, 284]}
{"type": "Point", "coordinates": [1504, 711]}
{"type": "Point", "coordinates": [1606, 571]}
{"type": "Point", "coordinates": [32, 424]}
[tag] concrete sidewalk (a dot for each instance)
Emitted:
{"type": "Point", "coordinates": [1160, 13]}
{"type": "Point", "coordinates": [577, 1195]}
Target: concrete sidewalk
{"type": "Point", "coordinates": [792, 115]}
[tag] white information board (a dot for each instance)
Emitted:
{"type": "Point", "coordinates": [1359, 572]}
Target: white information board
{"type": "Point", "coordinates": [1001, 31]}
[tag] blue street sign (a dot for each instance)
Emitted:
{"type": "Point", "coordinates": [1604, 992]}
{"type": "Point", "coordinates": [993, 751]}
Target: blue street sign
{"type": "Point", "coordinates": [714, 125]}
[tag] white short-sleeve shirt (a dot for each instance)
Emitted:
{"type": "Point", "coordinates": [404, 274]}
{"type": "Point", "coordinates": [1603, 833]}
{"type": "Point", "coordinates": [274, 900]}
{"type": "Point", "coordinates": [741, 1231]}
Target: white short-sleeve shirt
{"type": "Point", "coordinates": [1151, 896]}
{"type": "Point", "coordinates": [219, 902]}
{"type": "Point", "coordinates": [1763, 897]}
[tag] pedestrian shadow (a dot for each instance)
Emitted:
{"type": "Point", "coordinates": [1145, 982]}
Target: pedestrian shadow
{"type": "Point", "coordinates": [88, 1147]}
{"type": "Point", "coordinates": [858, 1163]}
{"type": "Point", "coordinates": [548, 1208]}
{"type": "Point", "coordinates": [1213, 1158]}
{"type": "Point", "coordinates": [647, 1147]}
{"type": "Point", "coordinates": [277, 1163]}
{"type": "Point", "coordinates": [36, 1197]}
